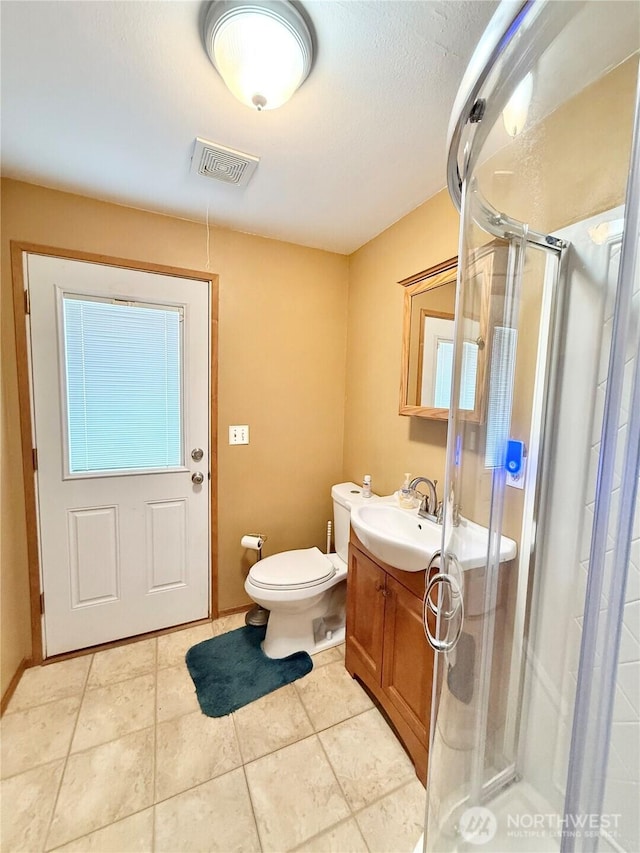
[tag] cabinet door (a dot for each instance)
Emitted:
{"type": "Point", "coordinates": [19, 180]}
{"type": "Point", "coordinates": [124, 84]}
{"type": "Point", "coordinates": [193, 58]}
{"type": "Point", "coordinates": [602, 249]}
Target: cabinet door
{"type": "Point", "coordinates": [365, 612]}
{"type": "Point", "coordinates": [408, 660]}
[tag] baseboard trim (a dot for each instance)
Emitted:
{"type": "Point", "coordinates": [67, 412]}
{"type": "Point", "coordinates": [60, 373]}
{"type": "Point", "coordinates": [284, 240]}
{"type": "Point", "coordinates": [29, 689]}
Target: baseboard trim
{"type": "Point", "coordinates": [25, 663]}
{"type": "Point", "coordinates": [231, 611]}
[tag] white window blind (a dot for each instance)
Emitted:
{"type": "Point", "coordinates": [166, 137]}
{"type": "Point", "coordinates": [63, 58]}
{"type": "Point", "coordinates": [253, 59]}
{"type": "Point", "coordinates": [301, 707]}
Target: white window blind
{"type": "Point", "coordinates": [123, 385]}
{"type": "Point", "coordinates": [469, 374]}
{"type": "Point", "coordinates": [444, 368]}
{"type": "Point", "coordinates": [503, 363]}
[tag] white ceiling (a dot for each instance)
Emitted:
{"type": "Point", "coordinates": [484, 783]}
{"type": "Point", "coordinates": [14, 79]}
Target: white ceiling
{"type": "Point", "coordinates": [106, 98]}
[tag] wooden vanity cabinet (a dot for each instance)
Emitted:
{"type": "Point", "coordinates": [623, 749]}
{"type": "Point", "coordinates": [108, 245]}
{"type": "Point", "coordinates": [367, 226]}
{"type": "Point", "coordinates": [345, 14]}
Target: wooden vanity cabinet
{"type": "Point", "coordinates": [366, 593]}
{"type": "Point", "coordinates": [386, 648]}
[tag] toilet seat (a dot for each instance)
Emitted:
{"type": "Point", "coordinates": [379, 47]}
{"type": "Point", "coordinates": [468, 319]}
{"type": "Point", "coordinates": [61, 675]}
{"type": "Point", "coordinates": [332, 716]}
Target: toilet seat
{"type": "Point", "coordinates": [300, 569]}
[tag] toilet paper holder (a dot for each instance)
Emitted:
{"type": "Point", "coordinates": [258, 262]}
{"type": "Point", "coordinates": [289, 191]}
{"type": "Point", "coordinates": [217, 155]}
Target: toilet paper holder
{"type": "Point", "coordinates": [254, 542]}
{"type": "Point", "coordinates": [258, 615]}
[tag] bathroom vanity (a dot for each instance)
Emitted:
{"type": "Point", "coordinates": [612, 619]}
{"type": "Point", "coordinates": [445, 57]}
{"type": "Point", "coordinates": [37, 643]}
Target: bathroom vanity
{"type": "Point", "coordinates": [387, 651]}
{"type": "Point", "coordinates": [386, 648]}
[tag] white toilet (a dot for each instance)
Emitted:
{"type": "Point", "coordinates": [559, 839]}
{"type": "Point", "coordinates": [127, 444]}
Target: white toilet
{"type": "Point", "coordinates": [306, 590]}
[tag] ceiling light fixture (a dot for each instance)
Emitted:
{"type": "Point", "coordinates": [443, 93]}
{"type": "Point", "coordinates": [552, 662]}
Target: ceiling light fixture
{"type": "Point", "coordinates": [263, 50]}
{"type": "Point", "coordinates": [514, 115]}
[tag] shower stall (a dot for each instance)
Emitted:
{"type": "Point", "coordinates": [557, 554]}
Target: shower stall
{"type": "Point", "coordinates": [536, 707]}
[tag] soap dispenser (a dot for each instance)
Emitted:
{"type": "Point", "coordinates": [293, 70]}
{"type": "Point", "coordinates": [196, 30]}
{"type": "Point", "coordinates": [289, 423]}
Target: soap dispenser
{"type": "Point", "coordinates": [405, 498]}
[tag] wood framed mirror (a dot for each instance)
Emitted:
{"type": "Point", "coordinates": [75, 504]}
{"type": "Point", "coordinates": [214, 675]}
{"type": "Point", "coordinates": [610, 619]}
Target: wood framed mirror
{"type": "Point", "coordinates": [427, 346]}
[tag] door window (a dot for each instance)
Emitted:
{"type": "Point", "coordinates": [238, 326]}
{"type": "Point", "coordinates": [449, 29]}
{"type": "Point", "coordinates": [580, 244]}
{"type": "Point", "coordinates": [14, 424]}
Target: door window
{"type": "Point", "coordinates": [123, 385]}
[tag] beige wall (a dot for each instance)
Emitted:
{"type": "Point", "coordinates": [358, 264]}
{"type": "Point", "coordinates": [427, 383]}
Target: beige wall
{"type": "Point", "coordinates": [15, 625]}
{"type": "Point", "coordinates": [553, 175]}
{"type": "Point", "coordinates": [282, 349]}
{"type": "Point", "coordinates": [379, 441]}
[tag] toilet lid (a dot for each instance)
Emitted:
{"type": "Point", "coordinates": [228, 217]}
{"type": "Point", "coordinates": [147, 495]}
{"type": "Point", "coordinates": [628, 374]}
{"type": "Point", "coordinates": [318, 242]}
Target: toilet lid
{"type": "Point", "coordinates": [292, 569]}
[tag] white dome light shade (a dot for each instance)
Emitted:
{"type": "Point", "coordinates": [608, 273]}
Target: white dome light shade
{"type": "Point", "coordinates": [514, 115]}
{"type": "Point", "coordinates": [262, 51]}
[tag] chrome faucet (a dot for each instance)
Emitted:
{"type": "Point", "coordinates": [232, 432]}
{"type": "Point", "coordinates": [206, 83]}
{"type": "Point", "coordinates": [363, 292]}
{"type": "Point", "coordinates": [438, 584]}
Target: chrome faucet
{"type": "Point", "coordinates": [429, 504]}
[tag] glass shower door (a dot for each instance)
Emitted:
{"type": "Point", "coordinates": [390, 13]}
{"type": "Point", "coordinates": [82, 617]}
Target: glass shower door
{"type": "Point", "coordinates": [506, 296]}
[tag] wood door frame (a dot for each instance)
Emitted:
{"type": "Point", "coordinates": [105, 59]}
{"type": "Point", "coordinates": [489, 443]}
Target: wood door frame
{"type": "Point", "coordinates": [437, 315]}
{"type": "Point", "coordinates": [18, 249]}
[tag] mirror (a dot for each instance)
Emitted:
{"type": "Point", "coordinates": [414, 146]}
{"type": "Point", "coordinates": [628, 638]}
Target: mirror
{"type": "Point", "coordinates": [427, 346]}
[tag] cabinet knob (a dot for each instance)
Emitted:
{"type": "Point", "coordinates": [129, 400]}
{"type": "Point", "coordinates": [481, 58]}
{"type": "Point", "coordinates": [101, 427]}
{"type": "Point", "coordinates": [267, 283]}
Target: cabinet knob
{"type": "Point", "coordinates": [380, 587]}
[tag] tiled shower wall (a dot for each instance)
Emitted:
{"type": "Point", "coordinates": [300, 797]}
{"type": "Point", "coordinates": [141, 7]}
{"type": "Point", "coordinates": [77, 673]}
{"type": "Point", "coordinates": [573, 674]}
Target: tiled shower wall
{"type": "Point", "coordinates": [623, 772]}
{"type": "Point", "coordinates": [594, 284]}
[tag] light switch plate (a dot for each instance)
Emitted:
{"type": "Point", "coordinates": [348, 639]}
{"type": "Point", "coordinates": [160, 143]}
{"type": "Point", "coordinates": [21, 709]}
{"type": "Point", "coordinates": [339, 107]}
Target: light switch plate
{"type": "Point", "coordinates": [239, 434]}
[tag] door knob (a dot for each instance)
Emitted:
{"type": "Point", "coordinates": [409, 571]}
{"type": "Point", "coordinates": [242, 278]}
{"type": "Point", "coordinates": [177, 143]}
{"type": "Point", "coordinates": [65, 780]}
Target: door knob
{"type": "Point", "coordinates": [197, 478]}
{"type": "Point", "coordinates": [197, 453]}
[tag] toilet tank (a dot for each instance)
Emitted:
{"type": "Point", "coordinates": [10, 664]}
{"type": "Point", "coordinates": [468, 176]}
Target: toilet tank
{"type": "Point", "coordinates": [344, 495]}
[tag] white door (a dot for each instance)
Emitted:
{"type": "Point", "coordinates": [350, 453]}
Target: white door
{"type": "Point", "coordinates": [120, 395]}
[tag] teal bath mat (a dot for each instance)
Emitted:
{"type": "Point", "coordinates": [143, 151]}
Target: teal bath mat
{"type": "Point", "coordinates": [232, 670]}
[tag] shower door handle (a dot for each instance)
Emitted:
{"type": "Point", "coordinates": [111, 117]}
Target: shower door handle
{"type": "Point", "coordinates": [455, 609]}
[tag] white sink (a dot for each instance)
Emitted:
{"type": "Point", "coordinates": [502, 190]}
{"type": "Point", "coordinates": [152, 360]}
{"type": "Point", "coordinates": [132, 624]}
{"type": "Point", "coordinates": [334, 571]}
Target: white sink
{"type": "Point", "coordinates": [469, 542]}
{"type": "Point", "coordinates": [396, 536]}
{"type": "Point", "coordinates": [406, 541]}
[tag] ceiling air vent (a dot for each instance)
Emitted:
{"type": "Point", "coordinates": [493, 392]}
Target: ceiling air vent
{"type": "Point", "coordinates": [223, 164]}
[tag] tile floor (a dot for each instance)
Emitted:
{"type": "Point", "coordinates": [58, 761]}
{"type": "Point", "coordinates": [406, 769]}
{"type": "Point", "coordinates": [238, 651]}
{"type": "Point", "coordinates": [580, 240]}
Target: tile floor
{"type": "Point", "coordinates": [110, 752]}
